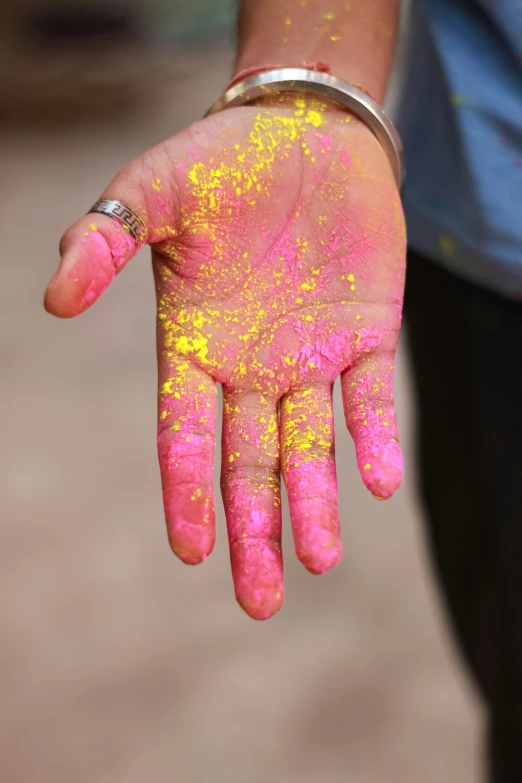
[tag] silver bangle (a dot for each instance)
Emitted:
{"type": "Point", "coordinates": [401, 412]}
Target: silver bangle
{"type": "Point", "coordinates": [344, 93]}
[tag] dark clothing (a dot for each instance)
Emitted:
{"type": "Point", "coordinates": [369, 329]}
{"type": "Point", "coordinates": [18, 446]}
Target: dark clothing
{"type": "Point", "coordinates": [466, 349]}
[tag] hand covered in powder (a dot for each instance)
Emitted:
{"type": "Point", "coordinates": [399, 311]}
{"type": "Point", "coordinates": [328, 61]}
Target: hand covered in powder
{"type": "Point", "coordinates": [278, 248]}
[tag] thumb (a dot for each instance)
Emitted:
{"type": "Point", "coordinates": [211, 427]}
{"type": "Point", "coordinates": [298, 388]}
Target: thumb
{"type": "Point", "coordinates": [97, 247]}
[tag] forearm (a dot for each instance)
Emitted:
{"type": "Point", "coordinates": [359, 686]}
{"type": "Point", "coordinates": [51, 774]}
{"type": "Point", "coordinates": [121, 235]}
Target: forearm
{"type": "Point", "coordinates": [355, 39]}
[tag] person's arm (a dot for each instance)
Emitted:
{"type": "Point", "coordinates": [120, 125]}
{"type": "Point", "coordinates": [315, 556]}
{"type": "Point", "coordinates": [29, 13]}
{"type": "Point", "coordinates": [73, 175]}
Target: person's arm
{"type": "Point", "coordinates": [355, 38]}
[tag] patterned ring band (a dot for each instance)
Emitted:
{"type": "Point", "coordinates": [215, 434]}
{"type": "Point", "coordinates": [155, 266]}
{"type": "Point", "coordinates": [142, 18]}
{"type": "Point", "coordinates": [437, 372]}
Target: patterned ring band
{"type": "Point", "coordinates": [124, 215]}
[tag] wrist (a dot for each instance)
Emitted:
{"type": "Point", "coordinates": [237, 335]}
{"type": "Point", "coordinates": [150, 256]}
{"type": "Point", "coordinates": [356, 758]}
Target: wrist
{"type": "Point", "coordinates": [355, 40]}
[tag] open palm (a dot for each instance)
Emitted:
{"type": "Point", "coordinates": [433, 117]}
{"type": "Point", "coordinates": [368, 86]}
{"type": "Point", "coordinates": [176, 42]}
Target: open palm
{"type": "Point", "coordinates": [278, 249]}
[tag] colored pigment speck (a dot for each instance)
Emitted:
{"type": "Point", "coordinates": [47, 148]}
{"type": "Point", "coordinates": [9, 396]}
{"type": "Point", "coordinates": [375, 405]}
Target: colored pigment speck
{"type": "Point", "coordinates": [325, 142]}
{"type": "Point", "coordinates": [314, 118]}
{"type": "Point", "coordinates": [447, 245]}
{"type": "Point", "coordinates": [346, 159]}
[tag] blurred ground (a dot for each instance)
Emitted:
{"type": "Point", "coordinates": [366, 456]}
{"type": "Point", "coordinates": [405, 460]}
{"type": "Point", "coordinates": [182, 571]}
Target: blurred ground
{"type": "Point", "coordinates": [117, 663]}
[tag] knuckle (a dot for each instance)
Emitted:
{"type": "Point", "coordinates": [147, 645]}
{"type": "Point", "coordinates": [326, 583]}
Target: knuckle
{"type": "Point", "coordinates": [257, 476]}
{"type": "Point", "coordinates": [183, 430]}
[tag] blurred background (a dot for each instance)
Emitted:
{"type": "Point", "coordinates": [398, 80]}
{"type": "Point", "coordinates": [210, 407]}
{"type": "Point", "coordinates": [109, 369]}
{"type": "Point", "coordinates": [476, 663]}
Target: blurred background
{"type": "Point", "coordinates": [118, 664]}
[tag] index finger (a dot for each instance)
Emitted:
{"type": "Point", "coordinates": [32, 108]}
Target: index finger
{"type": "Point", "coordinates": [187, 413]}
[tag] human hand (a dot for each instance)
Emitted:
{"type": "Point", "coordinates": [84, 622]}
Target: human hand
{"type": "Point", "coordinates": [278, 250]}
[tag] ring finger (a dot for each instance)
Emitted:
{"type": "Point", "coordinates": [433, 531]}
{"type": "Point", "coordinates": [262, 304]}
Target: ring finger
{"type": "Point", "coordinates": [308, 467]}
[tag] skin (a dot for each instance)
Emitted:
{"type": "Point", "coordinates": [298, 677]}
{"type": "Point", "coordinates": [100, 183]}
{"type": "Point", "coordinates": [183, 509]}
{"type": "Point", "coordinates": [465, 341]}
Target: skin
{"type": "Point", "coordinates": [354, 38]}
{"type": "Point", "coordinates": [278, 250]}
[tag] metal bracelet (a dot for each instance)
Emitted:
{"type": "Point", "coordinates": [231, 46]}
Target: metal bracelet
{"type": "Point", "coordinates": [327, 86]}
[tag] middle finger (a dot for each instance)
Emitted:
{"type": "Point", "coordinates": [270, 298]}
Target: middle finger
{"type": "Point", "coordinates": [250, 485]}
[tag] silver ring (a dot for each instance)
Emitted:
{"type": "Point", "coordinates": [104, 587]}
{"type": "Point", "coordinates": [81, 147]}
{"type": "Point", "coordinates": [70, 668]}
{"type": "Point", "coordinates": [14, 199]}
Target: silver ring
{"type": "Point", "coordinates": [124, 215]}
{"type": "Point", "coordinates": [344, 93]}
